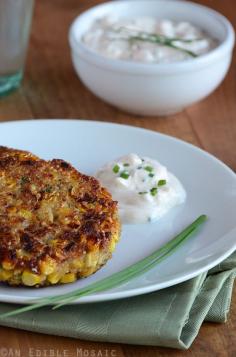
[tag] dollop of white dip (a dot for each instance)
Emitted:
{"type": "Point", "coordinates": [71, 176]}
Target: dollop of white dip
{"type": "Point", "coordinates": [144, 189]}
{"type": "Point", "coordinates": [117, 38]}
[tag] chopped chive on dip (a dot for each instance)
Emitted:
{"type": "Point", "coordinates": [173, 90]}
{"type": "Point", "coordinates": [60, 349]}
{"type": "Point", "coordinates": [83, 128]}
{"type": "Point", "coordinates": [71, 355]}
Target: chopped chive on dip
{"type": "Point", "coordinates": [126, 164]}
{"type": "Point", "coordinates": [116, 169]}
{"type": "Point", "coordinates": [161, 183]}
{"type": "Point", "coordinates": [148, 168]}
{"type": "Point", "coordinates": [124, 175]}
{"type": "Point", "coordinates": [142, 192]}
{"type": "Point", "coordinates": [151, 175]}
{"type": "Point", "coordinates": [153, 191]}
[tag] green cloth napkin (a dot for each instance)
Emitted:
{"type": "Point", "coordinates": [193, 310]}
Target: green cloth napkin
{"type": "Point", "coordinates": [170, 317]}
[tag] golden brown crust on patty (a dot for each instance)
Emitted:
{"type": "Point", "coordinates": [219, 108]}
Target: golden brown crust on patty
{"type": "Point", "coordinates": [52, 216]}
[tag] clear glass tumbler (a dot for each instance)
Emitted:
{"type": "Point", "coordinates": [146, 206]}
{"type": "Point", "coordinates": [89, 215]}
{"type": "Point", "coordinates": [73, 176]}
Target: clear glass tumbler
{"type": "Point", "coordinates": [15, 22]}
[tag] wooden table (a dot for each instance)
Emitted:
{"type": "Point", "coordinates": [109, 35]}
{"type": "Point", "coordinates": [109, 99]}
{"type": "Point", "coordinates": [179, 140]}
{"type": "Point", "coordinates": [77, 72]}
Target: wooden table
{"type": "Point", "coordinates": [52, 90]}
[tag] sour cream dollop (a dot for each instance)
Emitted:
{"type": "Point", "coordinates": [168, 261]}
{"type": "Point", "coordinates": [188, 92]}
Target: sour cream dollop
{"type": "Point", "coordinates": [145, 189]}
{"type": "Point", "coordinates": [119, 38]}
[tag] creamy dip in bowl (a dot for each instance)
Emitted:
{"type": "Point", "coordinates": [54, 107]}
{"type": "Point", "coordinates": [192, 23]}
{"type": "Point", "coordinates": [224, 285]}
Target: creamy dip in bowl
{"type": "Point", "coordinates": [150, 87]}
{"type": "Point", "coordinates": [147, 39]}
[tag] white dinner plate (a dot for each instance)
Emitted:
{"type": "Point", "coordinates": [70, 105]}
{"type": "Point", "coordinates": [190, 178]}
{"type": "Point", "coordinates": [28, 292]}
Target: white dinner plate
{"type": "Point", "coordinates": [210, 186]}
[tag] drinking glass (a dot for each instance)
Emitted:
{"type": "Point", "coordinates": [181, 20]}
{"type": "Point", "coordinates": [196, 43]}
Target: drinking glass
{"type": "Point", "coordinates": [15, 21]}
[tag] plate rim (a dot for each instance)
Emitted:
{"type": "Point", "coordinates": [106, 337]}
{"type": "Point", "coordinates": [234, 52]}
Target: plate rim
{"type": "Point", "coordinates": [90, 121]}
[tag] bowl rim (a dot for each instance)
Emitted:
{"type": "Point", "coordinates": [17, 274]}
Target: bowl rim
{"type": "Point", "coordinates": [132, 67]}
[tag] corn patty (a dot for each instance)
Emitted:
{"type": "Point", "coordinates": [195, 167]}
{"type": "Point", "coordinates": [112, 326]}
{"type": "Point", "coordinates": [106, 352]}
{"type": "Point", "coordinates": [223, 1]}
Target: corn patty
{"type": "Point", "coordinates": [56, 224]}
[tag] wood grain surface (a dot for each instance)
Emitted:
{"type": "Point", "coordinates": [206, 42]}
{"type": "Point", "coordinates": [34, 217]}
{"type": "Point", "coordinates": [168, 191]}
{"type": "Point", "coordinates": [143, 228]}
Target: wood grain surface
{"type": "Point", "coordinates": [51, 90]}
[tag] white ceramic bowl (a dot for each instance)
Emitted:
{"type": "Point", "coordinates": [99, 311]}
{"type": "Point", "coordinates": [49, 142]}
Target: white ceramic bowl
{"type": "Point", "coordinates": [153, 89]}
